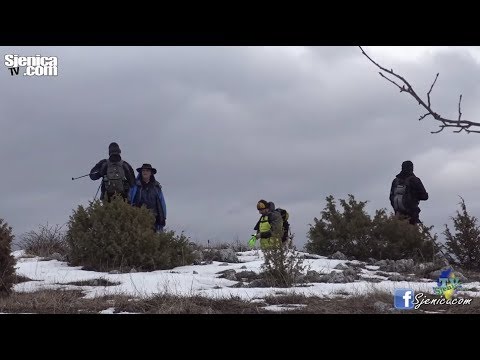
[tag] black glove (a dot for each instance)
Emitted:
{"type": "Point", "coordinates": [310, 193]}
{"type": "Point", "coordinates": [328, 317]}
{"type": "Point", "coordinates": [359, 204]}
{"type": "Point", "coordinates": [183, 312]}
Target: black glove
{"type": "Point", "coordinates": [265, 235]}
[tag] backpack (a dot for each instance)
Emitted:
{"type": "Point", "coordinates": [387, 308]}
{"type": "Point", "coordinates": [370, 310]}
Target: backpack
{"type": "Point", "coordinates": [286, 226]}
{"type": "Point", "coordinates": [401, 196]}
{"type": "Point", "coordinates": [114, 178]}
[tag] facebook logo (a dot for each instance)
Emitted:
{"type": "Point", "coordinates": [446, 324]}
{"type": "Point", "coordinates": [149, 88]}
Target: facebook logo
{"type": "Point", "coordinates": [403, 298]}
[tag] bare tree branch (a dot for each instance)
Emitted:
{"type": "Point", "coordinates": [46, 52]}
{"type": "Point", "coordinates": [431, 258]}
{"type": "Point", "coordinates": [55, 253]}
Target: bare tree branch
{"type": "Point", "coordinates": [436, 132]}
{"type": "Point", "coordinates": [404, 86]}
{"type": "Point", "coordinates": [459, 108]}
{"type": "Point", "coordinates": [393, 82]}
{"type": "Point", "coordinates": [423, 116]}
{"type": "Point", "coordinates": [431, 88]}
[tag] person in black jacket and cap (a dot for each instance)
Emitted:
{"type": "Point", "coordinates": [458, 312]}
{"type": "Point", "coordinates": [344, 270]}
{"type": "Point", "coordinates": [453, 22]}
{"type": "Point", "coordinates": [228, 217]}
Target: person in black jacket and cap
{"type": "Point", "coordinates": [406, 192]}
{"type": "Point", "coordinates": [117, 174]}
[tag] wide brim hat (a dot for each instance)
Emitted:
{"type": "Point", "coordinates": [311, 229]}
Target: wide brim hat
{"type": "Point", "coordinates": [147, 166]}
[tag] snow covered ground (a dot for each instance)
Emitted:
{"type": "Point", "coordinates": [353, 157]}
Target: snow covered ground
{"type": "Point", "coordinates": [204, 280]}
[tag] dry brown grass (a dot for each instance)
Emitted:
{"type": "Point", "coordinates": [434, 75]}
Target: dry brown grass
{"type": "Point", "coordinates": [45, 241]}
{"type": "Point", "coordinates": [93, 282]}
{"type": "Point", "coordinates": [336, 304]}
{"type": "Point", "coordinates": [42, 302]}
{"type": "Point", "coordinates": [72, 302]}
{"type": "Point", "coordinates": [169, 304]}
{"type": "Point", "coordinates": [20, 278]}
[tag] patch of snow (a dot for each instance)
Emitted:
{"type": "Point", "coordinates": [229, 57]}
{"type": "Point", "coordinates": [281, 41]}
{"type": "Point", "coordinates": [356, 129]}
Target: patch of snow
{"type": "Point", "coordinates": [285, 307]}
{"type": "Point", "coordinates": [107, 311]}
{"type": "Point", "coordinates": [18, 254]}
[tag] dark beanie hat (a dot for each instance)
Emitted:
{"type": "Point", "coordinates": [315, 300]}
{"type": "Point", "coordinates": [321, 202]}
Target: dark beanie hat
{"type": "Point", "coordinates": [113, 148]}
{"type": "Point", "coordinates": [407, 165]}
{"type": "Point", "coordinates": [262, 204]}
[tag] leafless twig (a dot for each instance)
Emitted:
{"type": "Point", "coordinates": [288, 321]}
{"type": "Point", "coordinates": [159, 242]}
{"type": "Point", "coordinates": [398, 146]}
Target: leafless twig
{"type": "Point", "coordinates": [404, 86]}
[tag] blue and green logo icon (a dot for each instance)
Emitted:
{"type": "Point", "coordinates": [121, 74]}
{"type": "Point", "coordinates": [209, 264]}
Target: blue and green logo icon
{"type": "Point", "coordinates": [447, 284]}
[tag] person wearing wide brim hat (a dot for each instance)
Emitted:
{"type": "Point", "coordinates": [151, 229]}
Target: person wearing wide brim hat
{"type": "Point", "coordinates": [147, 167]}
{"type": "Point", "coordinates": [148, 191]}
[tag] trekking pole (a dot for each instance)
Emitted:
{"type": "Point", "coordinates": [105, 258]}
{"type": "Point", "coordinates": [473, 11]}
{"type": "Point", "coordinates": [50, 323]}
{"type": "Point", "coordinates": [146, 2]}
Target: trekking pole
{"type": "Point", "coordinates": [97, 191]}
{"type": "Point", "coordinates": [75, 178]}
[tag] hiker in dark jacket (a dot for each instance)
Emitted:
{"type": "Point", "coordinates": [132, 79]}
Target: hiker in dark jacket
{"type": "Point", "coordinates": [406, 205]}
{"type": "Point", "coordinates": [148, 191]}
{"type": "Point", "coordinates": [286, 239]}
{"type": "Point", "coordinates": [99, 171]}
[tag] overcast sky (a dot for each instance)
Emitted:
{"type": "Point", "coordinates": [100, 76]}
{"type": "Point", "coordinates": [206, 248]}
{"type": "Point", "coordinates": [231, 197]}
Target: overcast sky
{"type": "Point", "coordinates": [227, 126]}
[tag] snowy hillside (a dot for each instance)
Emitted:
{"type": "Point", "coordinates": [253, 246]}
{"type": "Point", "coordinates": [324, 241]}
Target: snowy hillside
{"type": "Point", "coordinates": [217, 280]}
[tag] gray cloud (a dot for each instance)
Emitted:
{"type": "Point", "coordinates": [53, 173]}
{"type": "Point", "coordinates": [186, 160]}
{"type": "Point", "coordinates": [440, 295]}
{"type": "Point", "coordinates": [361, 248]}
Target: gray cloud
{"type": "Point", "coordinates": [226, 126]}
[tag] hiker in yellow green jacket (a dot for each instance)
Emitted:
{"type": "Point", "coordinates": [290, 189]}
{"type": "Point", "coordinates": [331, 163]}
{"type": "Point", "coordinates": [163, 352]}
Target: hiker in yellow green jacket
{"type": "Point", "coordinates": [270, 225]}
